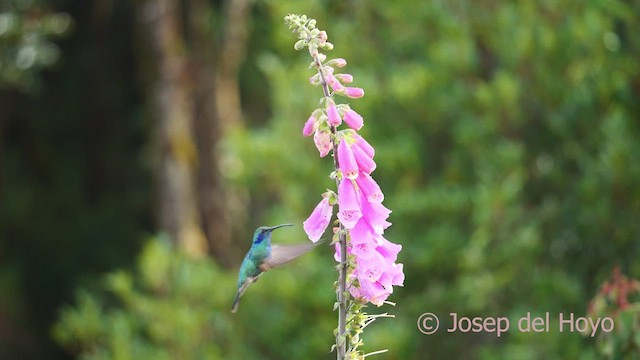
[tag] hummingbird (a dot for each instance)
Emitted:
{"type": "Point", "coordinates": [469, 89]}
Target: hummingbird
{"type": "Point", "coordinates": [262, 256]}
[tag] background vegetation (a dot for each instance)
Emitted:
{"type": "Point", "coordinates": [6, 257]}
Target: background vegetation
{"type": "Point", "coordinates": [141, 143]}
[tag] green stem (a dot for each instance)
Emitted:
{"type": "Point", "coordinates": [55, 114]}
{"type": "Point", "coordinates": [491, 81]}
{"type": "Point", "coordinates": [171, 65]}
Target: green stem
{"type": "Point", "coordinates": [342, 295]}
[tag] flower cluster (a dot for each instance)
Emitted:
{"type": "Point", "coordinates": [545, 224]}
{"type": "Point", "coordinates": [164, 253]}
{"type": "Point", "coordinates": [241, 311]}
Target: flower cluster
{"type": "Point", "coordinates": [359, 198]}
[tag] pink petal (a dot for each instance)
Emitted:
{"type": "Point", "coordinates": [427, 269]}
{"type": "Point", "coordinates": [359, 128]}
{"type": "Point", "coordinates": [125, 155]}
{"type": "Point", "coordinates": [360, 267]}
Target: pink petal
{"type": "Point", "coordinates": [365, 162]}
{"type": "Point", "coordinates": [394, 276]}
{"type": "Point", "coordinates": [332, 115]}
{"type": "Point", "coordinates": [365, 146]}
{"type": "Point", "coordinates": [373, 267]}
{"type": "Point", "coordinates": [349, 212]}
{"type": "Point", "coordinates": [334, 83]}
{"type": "Point", "coordinates": [387, 249]}
{"type": "Point", "coordinates": [353, 92]}
{"type": "Point", "coordinates": [346, 160]}
{"type": "Point", "coordinates": [344, 78]}
{"type": "Point", "coordinates": [322, 37]}
{"type": "Point", "coordinates": [318, 221]}
{"type": "Point", "coordinates": [362, 232]}
{"type": "Point", "coordinates": [363, 243]}
{"type": "Point", "coordinates": [356, 292]}
{"type": "Point", "coordinates": [338, 62]}
{"type": "Point", "coordinates": [373, 291]}
{"type": "Point", "coordinates": [310, 126]}
{"type": "Point", "coordinates": [322, 139]}
{"type": "Point", "coordinates": [369, 187]}
{"type": "Point", "coordinates": [375, 214]}
{"type": "Point", "coordinates": [353, 120]}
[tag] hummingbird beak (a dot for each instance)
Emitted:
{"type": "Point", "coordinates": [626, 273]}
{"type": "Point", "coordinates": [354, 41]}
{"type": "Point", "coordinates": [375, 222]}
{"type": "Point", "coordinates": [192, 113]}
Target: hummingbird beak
{"type": "Point", "coordinates": [277, 226]}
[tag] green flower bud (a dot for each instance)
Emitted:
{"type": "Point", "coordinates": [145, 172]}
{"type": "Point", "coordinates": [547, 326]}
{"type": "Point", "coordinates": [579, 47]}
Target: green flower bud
{"type": "Point", "coordinates": [300, 44]}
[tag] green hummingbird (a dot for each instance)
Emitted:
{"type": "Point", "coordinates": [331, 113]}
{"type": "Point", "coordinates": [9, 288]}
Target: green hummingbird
{"type": "Point", "coordinates": [263, 256]}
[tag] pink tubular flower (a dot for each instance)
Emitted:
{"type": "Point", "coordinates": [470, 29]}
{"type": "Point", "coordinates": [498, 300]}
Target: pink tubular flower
{"type": "Point", "coordinates": [394, 276]}
{"type": "Point", "coordinates": [332, 114]}
{"type": "Point", "coordinates": [319, 219]}
{"type": "Point", "coordinates": [353, 120]}
{"type": "Point", "coordinates": [354, 92]}
{"type": "Point", "coordinates": [365, 162]}
{"type": "Point", "coordinates": [362, 242]}
{"type": "Point", "coordinates": [365, 146]}
{"type": "Point", "coordinates": [387, 249]}
{"type": "Point", "coordinates": [347, 161]}
{"type": "Point", "coordinates": [363, 249]}
{"type": "Point", "coordinates": [376, 269]}
{"type": "Point", "coordinates": [372, 291]}
{"type": "Point", "coordinates": [322, 139]}
{"type": "Point", "coordinates": [375, 214]}
{"type": "Point", "coordinates": [369, 188]}
{"type": "Point", "coordinates": [349, 212]}
{"type": "Point", "coordinates": [310, 126]}
{"type": "Point", "coordinates": [373, 267]}
{"type": "Point", "coordinates": [376, 279]}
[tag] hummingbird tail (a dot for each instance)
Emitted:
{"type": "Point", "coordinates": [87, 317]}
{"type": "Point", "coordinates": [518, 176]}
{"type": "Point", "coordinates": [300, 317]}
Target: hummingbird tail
{"type": "Point", "coordinates": [241, 291]}
{"type": "Point", "coordinates": [236, 302]}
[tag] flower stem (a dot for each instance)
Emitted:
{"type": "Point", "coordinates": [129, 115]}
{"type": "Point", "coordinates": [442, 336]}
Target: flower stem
{"type": "Point", "coordinates": [342, 294]}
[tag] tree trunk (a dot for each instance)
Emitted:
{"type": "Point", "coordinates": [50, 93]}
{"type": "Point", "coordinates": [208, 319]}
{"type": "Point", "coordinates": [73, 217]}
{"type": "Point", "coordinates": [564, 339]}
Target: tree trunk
{"type": "Point", "coordinates": [173, 109]}
{"type": "Point", "coordinates": [197, 101]}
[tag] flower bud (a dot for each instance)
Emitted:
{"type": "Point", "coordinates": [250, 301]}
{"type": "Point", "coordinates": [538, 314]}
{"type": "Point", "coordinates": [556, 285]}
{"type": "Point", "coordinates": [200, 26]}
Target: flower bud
{"type": "Point", "coordinates": [300, 44]}
{"type": "Point", "coordinates": [333, 82]}
{"type": "Point", "coordinates": [333, 118]}
{"type": "Point", "coordinates": [339, 62]}
{"type": "Point", "coordinates": [310, 126]}
{"type": "Point", "coordinates": [344, 78]}
{"type": "Point", "coordinates": [322, 38]}
{"type": "Point", "coordinates": [315, 79]}
{"type": "Point", "coordinates": [353, 120]}
{"type": "Point", "coordinates": [354, 92]}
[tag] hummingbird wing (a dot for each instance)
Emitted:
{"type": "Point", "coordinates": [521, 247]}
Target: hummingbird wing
{"type": "Point", "coordinates": [282, 254]}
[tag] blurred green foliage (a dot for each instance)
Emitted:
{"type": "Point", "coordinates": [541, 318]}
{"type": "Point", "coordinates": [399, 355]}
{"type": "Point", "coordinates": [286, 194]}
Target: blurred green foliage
{"type": "Point", "coordinates": [177, 307]}
{"type": "Point", "coordinates": [507, 140]}
{"type": "Point", "coordinates": [26, 30]}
